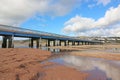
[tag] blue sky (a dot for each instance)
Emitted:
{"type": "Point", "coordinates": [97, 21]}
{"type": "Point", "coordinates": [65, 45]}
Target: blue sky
{"type": "Point", "coordinates": [68, 17]}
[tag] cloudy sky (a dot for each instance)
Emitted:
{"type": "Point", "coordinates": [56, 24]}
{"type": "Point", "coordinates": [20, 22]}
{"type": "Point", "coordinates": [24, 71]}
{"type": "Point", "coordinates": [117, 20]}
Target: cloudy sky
{"type": "Point", "coordinates": [68, 17]}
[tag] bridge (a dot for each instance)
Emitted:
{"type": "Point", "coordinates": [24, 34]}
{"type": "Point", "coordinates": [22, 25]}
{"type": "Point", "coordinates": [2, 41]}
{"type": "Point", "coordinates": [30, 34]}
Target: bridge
{"type": "Point", "coordinates": [9, 32]}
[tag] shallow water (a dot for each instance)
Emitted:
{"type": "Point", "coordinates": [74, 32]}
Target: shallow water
{"type": "Point", "coordinates": [98, 69]}
{"type": "Point", "coordinates": [113, 50]}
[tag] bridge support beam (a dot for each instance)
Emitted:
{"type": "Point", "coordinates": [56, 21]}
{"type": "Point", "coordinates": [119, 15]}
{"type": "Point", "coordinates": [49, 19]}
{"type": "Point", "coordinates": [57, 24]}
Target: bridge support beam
{"type": "Point", "coordinates": [31, 43]}
{"type": "Point", "coordinates": [60, 43]}
{"type": "Point", "coordinates": [88, 43]}
{"type": "Point", "coordinates": [7, 42]}
{"type": "Point", "coordinates": [78, 43]}
{"type": "Point", "coordinates": [73, 43]}
{"type": "Point", "coordinates": [57, 41]}
{"type": "Point", "coordinates": [91, 43]}
{"type": "Point", "coordinates": [48, 44]}
{"type": "Point", "coordinates": [54, 42]}
{"type": "Point", "coordinates": [82, 43]}
{"type": "Point", "coordinates": [68, 43]}
{"type": "Point", "coordinates": [37, 43]}
{"type": "Point", "coordinates": [4, 42]}
{"type": "Point", "coordinates": [65, 43]}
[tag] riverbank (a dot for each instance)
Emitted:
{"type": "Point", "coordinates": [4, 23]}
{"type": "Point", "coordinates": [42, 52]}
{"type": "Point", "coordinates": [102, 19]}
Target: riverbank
{"type": "Point", "coordinates": [25, 64]}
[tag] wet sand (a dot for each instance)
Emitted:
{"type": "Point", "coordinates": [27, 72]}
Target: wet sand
{"type": "Point", "coordinates": [87, 47]}
{"type": "Point", "coordinates": [110, 52]}
{"type": "Point", "coordinates": [25, 64]}
{"type": "Point", "coordinates": [98, 54]}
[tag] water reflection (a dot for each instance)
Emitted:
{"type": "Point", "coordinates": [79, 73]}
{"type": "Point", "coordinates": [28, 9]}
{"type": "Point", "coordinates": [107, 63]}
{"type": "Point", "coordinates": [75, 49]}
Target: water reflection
{"type": "Point", "coordinates": [57, 50]}
{"type": "Point", "coordinates": [99, 69]}
{"type": "Point", "coordinates": [43, 48]}
{"type": "Point", "coordinates": [113, 50]}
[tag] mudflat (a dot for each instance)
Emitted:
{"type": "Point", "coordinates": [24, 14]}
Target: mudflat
{"type": "Point", "coordinates": [20, 64]}
{"type": "Point", "coordinates": [25, 64]}
{"type": "Point", "coordinates": [110, 52]}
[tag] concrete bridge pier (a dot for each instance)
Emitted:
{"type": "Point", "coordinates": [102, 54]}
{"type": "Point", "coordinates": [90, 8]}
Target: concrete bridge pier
{"type": "Point", "coordinates": [48, 42]}
{"type": "Point", "coordinates": [68, 43]}
{"type": "Point", "coordinates": [88, 43]}
{"type": "Point", "coordinates": [4, 42]}
{"type": "Point", "coordinates": [37, 43]}
{"type": "Point", "coordinates": [65, 43]}
{"type": "Point", "coordinates": [82, 43]}
{"type": "Point", "coordinates": [92, 43]}
{"type": "Point", "coordinates": [54, 43]}
{"type": "Point", "coordinates": [85, 43]}
{"type": "Point", "coordinates": [40, 42]}
{"type": "Point", "coordinates": [59, 43]}
{"type": "Point", "coordinates": [7, 42]}
{"type": "Point", "coordinates": [73, 43]}
{"type": "Point", "coordinates": [31, 42]}
{"type": "Point", "coordinates": [78, 43]}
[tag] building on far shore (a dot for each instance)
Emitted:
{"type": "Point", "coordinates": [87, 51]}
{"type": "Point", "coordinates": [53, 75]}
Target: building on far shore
{"type": "Point", "coordinates": [106, 40]}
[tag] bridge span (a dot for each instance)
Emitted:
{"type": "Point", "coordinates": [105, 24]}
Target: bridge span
{"type": "Point", "coordinates": [9, 32]}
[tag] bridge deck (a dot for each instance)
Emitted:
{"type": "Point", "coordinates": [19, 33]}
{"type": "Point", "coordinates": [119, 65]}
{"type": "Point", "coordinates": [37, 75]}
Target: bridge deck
{"type": "Point", "coordinates": [21, 32]}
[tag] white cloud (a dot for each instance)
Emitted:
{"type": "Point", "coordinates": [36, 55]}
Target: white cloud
{"type": "Point", "coordinates": [78, 24]}
{"type": "Point", "coordinates": [91, 5]}
{"type": "Point", "coordinates": [99, 2]}
{"type": "Point", "coordinates": [115, 31]}
{"type": "Point", "coordinates": [105, 26]}
{"type": "Point", "coordinates": [14, 12]}
{"type": "Point", "coordinates": [112, 16]}
{"type": "Point", "coordinates": [104, 2]}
